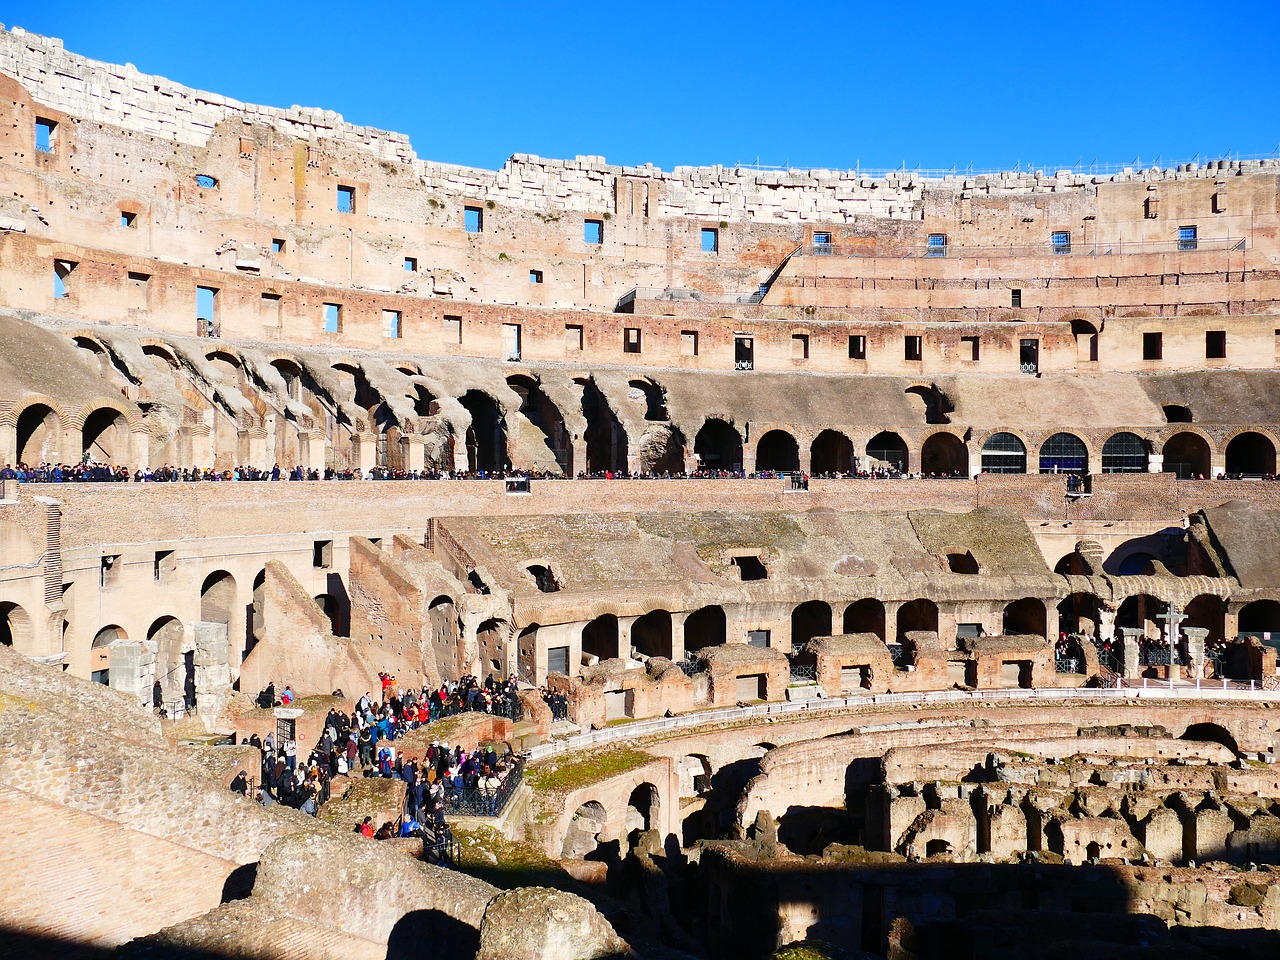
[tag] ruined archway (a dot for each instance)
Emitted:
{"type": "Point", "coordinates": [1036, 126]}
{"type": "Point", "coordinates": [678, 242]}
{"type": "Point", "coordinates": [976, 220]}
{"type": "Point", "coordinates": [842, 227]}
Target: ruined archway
{"type": "Point", "coordinates": [582, 839]}
{"type": "Point", "coordinates": [1187, 455]}
{"type": "Point", "coordinates": [777, 450]}
{"type": "Point", "coordinates": [887, 449]}
{"type": "Point", "coordinates": [1208, 732]}
{"type": "Point", "coordinates": [1259, 617]}
{"type": "Point", "coordinates": [920, 614]}
{"type": "Point", "coordinates": [38, 436]}
{"type": "Point", "coordinates": [606, 438]}
{"type": "Point", "coordinates": [831, 452]}
{"type": "Point", "coordinates": [600, 637]}
{"type": "Point", "coordinates": [1251, 455]}
{"type": "Point", "coordinates": [1025, 617]}
{"type": "Point", "coordinates": [487, 434]}
{"type": "Point", "coordinates": [218, 597]}
{"type": "Point", "coordinates": [718, 446]}
{"type": "Point", "coordinates": [539, 410]}
{"type": "Point", "coordinates": [175, 661]}
{"type": "Point", "coordinates": [100, 653]}
{"type": "Point", "coordinates": [651, 634]}
{"type": "Point", "coordinates": [15, 628]}
{"type": "Point", "coordinates": [661, 450]}
{"type": "Point", "coordinates": [1207, 612]}
{"type": "Point", "coordinates": [810, 619]}
{"type": "Point", "coordinates": [491, 644]}
{"type": "Point", "coordinates": [255, 628]}
{"type": "Point", "coordinates": [1079, 613]}
{"type": "Point", "coordinates": [105, 437]}
{"type": "Point", "coordinates": [865, 616]}
{"type": "Point", "coordinates": [705, 628]}
{"type": "Point", "coordinates": [642, 808]}
{"type": "Point", "coordinates": [944, 454]}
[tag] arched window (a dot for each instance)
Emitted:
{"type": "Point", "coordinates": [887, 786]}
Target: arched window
{"type": "Point", "coordinates": [1063, 453]}
{"type": "Point", "coordinates": [1124, 453]}
{"type": "Point", "coordinates": [1004, 453]}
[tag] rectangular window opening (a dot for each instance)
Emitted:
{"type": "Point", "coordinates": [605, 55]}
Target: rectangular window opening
{"type": "Point", "coordinates": [322, 554]}
{"type": "Point", "coordinates": [452, 329]}
{"type": "Point", "coordinates": [1187, 238]}
{"type": "Point", "coordinates": [410, 264]}
{"type": "Point", "coordinates": [346, 199]}
{"type": "Point", "coordinates": [164, 564]}
{"type": "Point", "coordinates": [391, 324]}
{"type": "Point", "coordinates": [758, 638]}
{"type": "Point", "coordinates": [1215, 344]}
{"type": "Point", "coordinates": [1061, 240]}
{"type": "Point", "coordinates": [1015, 298]}
{"type": "Point", "coordinates": [744, 353]}
{"type": "Point", "coordinates": [751, 568]}
{"type": "Point", "coordinates": [46, 135]}
{"type": "Point", "coordinates": [207, 311]}
{"type": "Point", "coordinates": [573, 336]}
{"type": "Point", "coordinates": [857, 346]}
{"type": "Point", "coordinates": [821, 243]}
{"type": "Point", "coordinates": [710, 240]}
{"type": "Point", "coordinates": [270, 309]}
{"type": "Point", "coordinates": [128, 219]}
{"type": "Point", "coordinates": [913, 348]}
{"type": "Point", "coordinates": [62, 270]}
{"type": "Point", "coordinates": [109, 569]}
{"type": "Point", "coordinates": [473, 219]}
{"type": "Point", "coordinates": [936, 245]}
{"type": "Point", "coordinates": [631, 340]}
{"type": "Point", "coordinates": [535, 276]}
{"type": "Point", "coordinates": [1029, 356]}
{"type": "Point", "coordinates": [799, 346]}
{"type": "Point", "coordinates": [974, 345]}
{"type": "Point", "coordinates": [332, 313]}
{"type": "Point", "coordinates": [1152, 346]}
{"type": "Point", "coordinates": [277, 245]}
{"type": "Point", "coordinates": [688, 343]}
{"type": "Point", "coordinates": [511, 341]}
{"type": "Point", "coordinates": [593, 231]}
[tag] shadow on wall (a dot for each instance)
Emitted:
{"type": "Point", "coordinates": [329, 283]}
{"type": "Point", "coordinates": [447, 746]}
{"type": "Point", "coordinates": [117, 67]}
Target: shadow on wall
{"type": "Point", "coordinates": [944, 910]}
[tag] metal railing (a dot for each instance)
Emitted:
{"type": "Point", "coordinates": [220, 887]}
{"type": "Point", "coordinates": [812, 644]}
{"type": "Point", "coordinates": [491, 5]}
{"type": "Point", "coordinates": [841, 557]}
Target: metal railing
{"type": "Point", "coordinates": [1159, 657]}
{"type": "Point", "coordinates": [1071, 665]}
{"type": "Point", "coordinates": [482, 801]}
{"type": "Point", "coordinates": [1248, 691]}
{"type": "Point", "coordinates": [804, 672]}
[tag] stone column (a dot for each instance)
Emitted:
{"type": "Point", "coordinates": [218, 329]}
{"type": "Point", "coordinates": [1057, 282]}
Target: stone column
{"type": "Point", "coordinates": [1130, 650]}
{"type": "Point", "coordinates": [365, 449]}
{"type": "Point", "coordinates": [624, 636]}
{"type": "Point", "coordinates": [1192, 648]}
{"type": "Point", "coordinates": [579, 464]}
{"type": "Point", "coordinates": [415, 452]}
{"type": "Point", "coordinates": [213, 668]}
{"type": "Point", "coordinates": [311, 449]}
{"type": "Point", "coordinates": [1106, 624]}
{"type": "Point", "coordinates": [133, 668]}
{"type": "Point", "coordinates": [677, 635]}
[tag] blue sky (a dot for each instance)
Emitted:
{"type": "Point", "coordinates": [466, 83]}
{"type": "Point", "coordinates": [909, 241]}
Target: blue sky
{"type": "Point", "coordinates": [831, 84]}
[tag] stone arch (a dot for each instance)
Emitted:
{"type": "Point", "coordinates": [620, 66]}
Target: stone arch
{"type": "Point", "coordinates": [1064, 453]}
{"type": "Point", "coordinates": [936, 405]}
{"type": "Point", "coordinates": [218, 597]}
{"type": "Point", "coordinates": [1026, 617]}
{"type": "Point", "coordinates": [918, 614]}
{"type": "Point", "coordinates": [38, 432]}
{"type": "Point", "coordinates": [1207, 612]}
{"type": "Point", "coordinates": [106, 436]}
{"type": "Point", "coordinates": [100, 652]}
{"type": "Point", "coordinates": [491, 643]}
{"type": "Point", "coordinates": [831, 452]}
{"type": "Point", "coordinates": [865, 616]}
{"type": "Point", "coordinates": [541, 411]}
{"type": "Point", "coordinates": [1140, 611]}
{"type": "Point", "coordinates": [487, 435]}
{"type": "Point", "coordinates": [160, 353]}
{"type": "Point", "coordinates": [944, 453]}
{"type": "Point", "coordinates": [1251, 453]}
{"type": "Point", "coordinates": [15, 628]}
{"type": "Point", "coordinates": [651, 634]}
{"type": "Point", "coordinates": [810, 619]}
{"type": "Point", "coordinates": [605, 436]}
{"type": "Point", "coordinates": [652, 396]}
{"type": "Point", "coordinates": [777, 450]}
{"type": "Point", "coordinates": [228, 367]}
{"type": "Point", "coordinates": [290, 372]}
{"type": "Point", "coordinates": [1260, 616]}
{"type": "Point", "coordinates": [705, 627]}
{"type": "Point", "coordinates": [1209, 732]}
{"type": "Point", "coordinates": [256, 613]}
{"type": "Point", "coordinates": [600, 637]}
{"type": "Point", "coordinates": [1187, 454]}
{"type": "Point", "coordinates": [175, 663]}
{"type": "Point", "coordinates": [1125, 452]}
{"type": "Point", "coordinates": [1004, 452]}
{"type": "Point", "coordinates": [582, 837]}
{"type": "Point", "coordinates": [662, 449]}
{"type": "Point", "coordinates": [718, 446]}
{"type": "Point", "coordinates": [1079, 612]}
{"type": "Point", "coordinates": [444, 630]}
{"type": "Point", "coordinates": [889, 448]}
{"type": "Point", "coordinates": [643, 808]}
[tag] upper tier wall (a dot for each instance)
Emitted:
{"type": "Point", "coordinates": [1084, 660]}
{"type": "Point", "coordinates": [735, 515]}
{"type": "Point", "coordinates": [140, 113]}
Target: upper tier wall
{"type": "Point", "coordinates": [121, 96]}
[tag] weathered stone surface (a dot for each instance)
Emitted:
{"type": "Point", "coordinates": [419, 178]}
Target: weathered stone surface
{"type": "Point", "coordinates": [536, 923]}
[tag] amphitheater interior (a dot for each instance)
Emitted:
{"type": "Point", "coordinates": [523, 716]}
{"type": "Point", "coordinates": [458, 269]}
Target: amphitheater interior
{"type": "Point", "coordinates": [900, 547]}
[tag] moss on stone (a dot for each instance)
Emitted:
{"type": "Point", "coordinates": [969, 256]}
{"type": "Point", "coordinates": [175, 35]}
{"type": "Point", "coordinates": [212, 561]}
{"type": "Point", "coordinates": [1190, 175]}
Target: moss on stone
{"type": "Point", "coordinates": [563, 775]}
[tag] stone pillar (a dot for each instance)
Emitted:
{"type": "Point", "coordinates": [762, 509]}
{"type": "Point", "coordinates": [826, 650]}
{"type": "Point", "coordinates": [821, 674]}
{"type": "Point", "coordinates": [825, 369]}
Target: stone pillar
{"type": "Point", "coordinates": [415, 452]}
{"type": "Point", "coordinates": [624, 636]}
{"type": "Point", "coordinates": [677, 635]}
{"type": "Point", "coordinates": [806, 457]}
{"type": "Point", "coordinates": [1192, 648]}
{"type": "Point", "coordinates": [1130, 650]}
{"type": "Point", "coordinates": [133, 668]}
{"type": "Point", "coordinates": [690, 459]}
{"type": "Point", "coordinates": [579, 464]}
{"type": "Point", "coordinates": [364, 449]}
{"type": "Point", "coordinates": [213, 668]}
{"type": "Point", "coordinates": [1106, 624]}
{"type": "Point", "coordinates": [311, 449]}
{"type": "Point", "coordinates": [254, 441]}
{"type": "Point", "coordinates": [140, 448]}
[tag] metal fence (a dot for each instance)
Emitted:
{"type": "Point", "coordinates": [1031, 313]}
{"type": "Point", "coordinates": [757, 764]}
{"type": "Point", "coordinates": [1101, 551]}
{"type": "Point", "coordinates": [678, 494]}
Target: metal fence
{"type": "Point", "coordinates": [481, 801]}
{"type": "Point", "coordinates": [1155, 690]}
{"type": "Point", "coordinates": [804, 672]}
